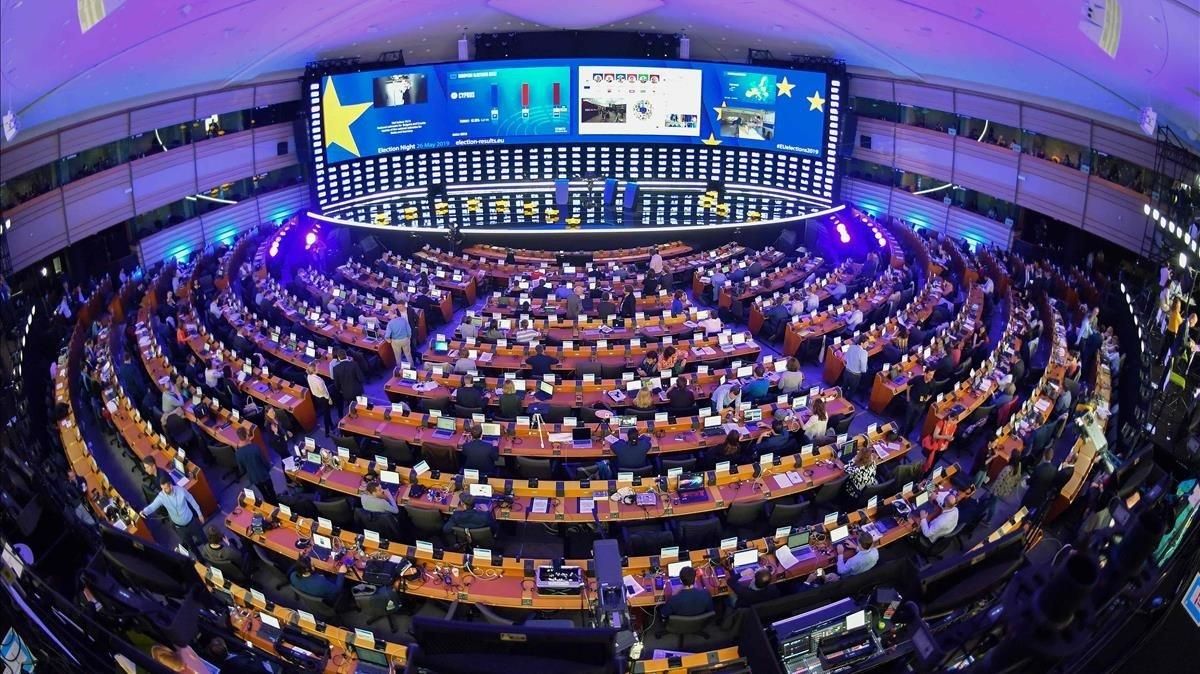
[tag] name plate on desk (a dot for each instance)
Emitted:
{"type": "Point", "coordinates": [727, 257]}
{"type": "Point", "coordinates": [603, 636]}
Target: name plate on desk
{"type": "Point", "coordinates": [364, 636]}
{"type": "Point", "coordinates": [425, 547]}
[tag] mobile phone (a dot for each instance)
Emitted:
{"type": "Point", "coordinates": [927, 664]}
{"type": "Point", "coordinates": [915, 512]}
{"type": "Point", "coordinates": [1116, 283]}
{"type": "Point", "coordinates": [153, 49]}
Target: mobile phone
{"type": "Point", "coordinates": [820, 573]}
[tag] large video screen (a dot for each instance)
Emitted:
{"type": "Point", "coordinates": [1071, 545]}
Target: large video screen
{"type": "Point", "coordinates": [383, 112]}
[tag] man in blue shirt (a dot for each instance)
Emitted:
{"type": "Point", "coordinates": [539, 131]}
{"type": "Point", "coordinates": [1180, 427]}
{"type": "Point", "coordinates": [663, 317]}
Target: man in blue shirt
{"type": "Point", "coordinates": [775, 441]}
{"type": "Point", "coordinates": [758, 387]}
{"type": "Point", "coordinates": [468, 517]}
{"type": "Point", "coordinates": [182, 510]}
{"type": "Point", "coordinates": [856, 365]}
{"type": "Point", "coordinates": [399, 334]}
{"type": "Point", "coordinates": [303, 579]}
{"type": "Point", "coordinates": [729, 393]}
{"type": "Point", "coordinates": [631, 452]}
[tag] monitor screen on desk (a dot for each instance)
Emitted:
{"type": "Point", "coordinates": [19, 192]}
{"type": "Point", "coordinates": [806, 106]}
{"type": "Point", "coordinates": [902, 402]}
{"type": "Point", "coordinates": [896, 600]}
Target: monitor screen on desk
{"type": "Point", "coordinates": [745, 558]}
{"type": "Point", "coordinates": [839, 534]}
{"type": "Point", "coordinates": [674, 568]}
{"type": "Point", "coordinates": [490, 430]}
{"type": "Point", "coordinates": [446, 424]}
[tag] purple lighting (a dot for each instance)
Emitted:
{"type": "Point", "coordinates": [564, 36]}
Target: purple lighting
{"type": "Point", "coordinates": [309, 240]}
{"type": "Point", "coordinates": [274, 249]}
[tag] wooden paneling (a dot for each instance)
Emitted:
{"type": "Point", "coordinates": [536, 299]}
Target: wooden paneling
{"type": "Point", "coordinates": [225, 158]}
{"type": "Point", "coordinates": [919, 209]}
{"type": "Point", "coordinates": [186, 236]}
{"type": "Point", "coordinates": [277, 205]}
{"type": "Point", "coordinates": [986, 168]}
{"type": "Point", "coordinates": [924, 151]}
{"type": "Point", "coordinates": [1055, 125]}
{"type": "Point", "coordinates": [25, 157]}
{"type": "Point", "coordinates": [925, 97]}
{"type": "Point", "coordinates": [39, 228]}
{"type": "Point", "coordinates": [163, 178]}
{"type": "Point", "coordinates": [991, 109]}
{"type": "Point", "coordinates": [98, 201]}
{"type": "Point", "coordinates": [977, 228]}
{"type": "Point", "coordinates": [231, 100]}
{"type": "Point", "coordinates": [93, 134]}
{"type": "Point", "coordinates": [883, 145]}
{"type": "Point", "coordinates": [226, 223]}
{"type": "Point", "coordinates": [1137, 149]}
{"type": "Point", "coordinates": [159, 116]}
{"type": "Point", "coordinates": [266, 142]}
{"type": "Point", "coordinates": [279, 92]}
{"type": "Point", "coordinates": [1115, 213]}
{"type": "Point", "coordinates": [868, 87]}
{"type": "Point", "coordinates": [1052, 189]}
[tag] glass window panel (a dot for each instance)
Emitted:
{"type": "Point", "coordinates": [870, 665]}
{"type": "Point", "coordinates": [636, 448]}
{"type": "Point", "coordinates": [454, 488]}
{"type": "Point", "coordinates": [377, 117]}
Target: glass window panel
{"type": "Point", "coordinates": [28, 185]}
{"type": "Point", "coordinates": [876, 109]}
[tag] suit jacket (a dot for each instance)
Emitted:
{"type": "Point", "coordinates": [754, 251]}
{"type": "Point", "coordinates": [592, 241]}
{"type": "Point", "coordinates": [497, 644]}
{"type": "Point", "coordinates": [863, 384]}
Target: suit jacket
{"type": "Point", "coordinates": [687, 602]}
{"type": "Point", "coordinates": [251, 461]}
{"type": "Point", "coordinates": [680, 399]}
{"type": "Point", "coordinates": [606, 308]}
{"type": "Point", "coordinates": [349, 379]}
{"type": "Point", "coordinates": [480, 455]}
{"type": "Point", "coordinates": [628, 306]}
{"type": "Point", "coordinates": [540, 364]}
{"type": "Point", "coordinates": [574, 305]}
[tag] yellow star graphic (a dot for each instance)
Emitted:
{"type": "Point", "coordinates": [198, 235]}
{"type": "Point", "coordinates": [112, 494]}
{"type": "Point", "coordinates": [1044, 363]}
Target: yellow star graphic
{"type": "Point", "coordinates": [721, 108]}
{"type": "Point", "coordinates": [784, 88]}
{"type": "Point", "coordinates": [815, 102]}
{"type": "Point", "coordinates": [711, 140]}
{"type": "Point", "coordinates": [338, 119]}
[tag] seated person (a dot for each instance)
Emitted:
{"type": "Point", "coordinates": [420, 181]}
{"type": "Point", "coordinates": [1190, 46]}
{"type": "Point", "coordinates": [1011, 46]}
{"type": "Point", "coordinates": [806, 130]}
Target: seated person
{"type": "Point", "coordinates": [863, 560]}
{"type": "Point", "coordinates": [644, 399]}
{"type": "Point", "coordinates": [649, 365]}
{"type": "Point", "coordinates": [689, 600]}
{"type": "Point", "coordinates": [526, 334]}
{"type": "Point", "coordinates": [672, 360]}
{"type": "Point", "coordinates": [946, 521]}
{"type": "Point", "coordinates": [317, 584]}
{"type": "Point", "coordinates": [775, 441]}
{"type": "Point", "coordinates": [730, 450]}
{"type": "Point", "coordinates": [680, 397]}
{"type": "Point", "coordinates": [479, 454]}
{"type": "Point", "coordinates": [510, 400]}
{"type": "Point", "coordinates": [539, 363]}
{"type": "Point", "coordinates": [219, 550]}
{"type": "Point", "coordinates": [758, 387]}
{"type": "Point", "coordinates": [726, 395]}
{"type": "Point", "coordinates": [792, 379]}
{"type": "Point", "coordinates": [376, 499]}
{"type": "Point", "coordinates": [759, 589]}
{"type": "Point", "coordinates": [467, 517]}
{"type": "Point", "coordinates": [631, 452]}
{"type": "Point", "coordinates": [470, 394]}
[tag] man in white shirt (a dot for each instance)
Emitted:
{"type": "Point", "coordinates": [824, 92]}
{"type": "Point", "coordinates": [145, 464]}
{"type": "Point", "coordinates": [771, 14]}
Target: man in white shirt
{"type": "Point", "coordinates": [526, 334]}
{"type": "Point", "coordinates": [729, 393]}
{"type": "Point", "coordinates": [656, 262]}
{"type": "Point", "coordinates": [945, 523]}
{"type": "Point", "coordinates": [812, 301]}
{"type": "Point", "coordinates": [855, 320]}
{"type": "Point", "coordinates": [321, 398]}
{"type": "Point", "coordinates": [863, 560]}
{"type": "Point", "coordinates": [987, 286]}
{"type": "Point", "coordinates": [718, 281]}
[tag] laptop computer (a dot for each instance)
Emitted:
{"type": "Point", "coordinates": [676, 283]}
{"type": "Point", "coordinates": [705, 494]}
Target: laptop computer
{"type": "Point", "coordinates": [581, 437]}
{"type": "Point", "coordinates": [446, 427]}
{"type": "Point", "coordinates": [545, 390]}
{"type": "Point", "coordinates": [673, 570]}
{"type": "Point", "coordinates": [839, 534]}
{"type": "Point", "coordinates": [370, 661]}
{"type": "Point", "coordinates": [268, 627]}
{"type": "Point", "coordinates": [491, 431]}
{"type": "Point", "coordinates": [712, 426]}
{"type": "Point", "coordinates": [312, 462]}
{"type": "Point", "coordinates": [745, 562]}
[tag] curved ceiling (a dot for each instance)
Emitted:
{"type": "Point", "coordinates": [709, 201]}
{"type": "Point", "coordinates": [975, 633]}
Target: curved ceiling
{"type": "Point", "coordinates": [51, 72]}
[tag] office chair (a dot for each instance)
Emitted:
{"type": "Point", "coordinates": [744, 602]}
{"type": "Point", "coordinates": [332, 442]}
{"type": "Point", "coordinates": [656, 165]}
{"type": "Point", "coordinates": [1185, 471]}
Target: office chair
{"type": "Point", "coordinates": [491, 617]}
{"type": "Point", "coordinates": [687, 464]}
{"type": "Point", "coordinates": [349, 443]}
{"type": "Point", "coordinates": [790, 514]}
{"type": "Point", "coordinates": [226, 457]}
{"type": "Point", "coordinates": [464, 412]}
{"type": "Point", "coordinates": [232, 571]}
{"type": "Point", "coordinates": [879, 489]}
{"type": "Point", "coordinates": [337, 511]}
{"type": "Point", "coordinates": [587, 471]}
{"type": "Point", "coordinates": [829, 491]}
{"type": "Point", "coordinates": [641, 471]}
{"type": "Point", "coordinates": [439, 404]}
{"type": "Point", "coordinates": [269, 566]}
{"type": "Point", "coordinates": [744, 516]}
{"type": "Point", "coordinates": [425, 521]}
{"type": "Point", "coordinates": [384, 524]}
{"type": "Point", "coordinates": [374, 607]}
{"type": "Point", "coordinates": [440, 457]}
{"type": "Point", "coordinates": [530, 467]}
{"type": "Point", "coordinates": [842, 424]}
{"type": "Point", "coordinates": [478, 537]}
{"type": "Point", "coordinates": [644, 542]}
{"type": "Point", "coordinates": [642, 415]}
{"type": "Point", "coordinates": [698, 534]}
{"type": "Point", "coordinates": [397, 451]}
{"type": "Point", "coordinates": [316, 605]}
{"type": "Point", "coordinates": [691, 624]}
{"type": "Point", "coordinates": [555, 414]}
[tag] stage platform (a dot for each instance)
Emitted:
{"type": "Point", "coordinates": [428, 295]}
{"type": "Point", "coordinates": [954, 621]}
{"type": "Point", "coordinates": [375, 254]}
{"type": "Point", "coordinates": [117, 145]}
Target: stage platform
{"type": "Point", "coordinates": [501, 209]}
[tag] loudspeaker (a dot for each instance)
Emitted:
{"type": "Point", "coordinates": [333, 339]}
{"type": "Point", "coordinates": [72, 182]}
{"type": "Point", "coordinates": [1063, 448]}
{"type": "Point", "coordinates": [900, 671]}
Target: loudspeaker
{"type": "Point", "coordinates": [562, 192]}
{"type": "Point", "coordinates": [436, 190]}
{"type": "Point", "coordinates": [610, 191]}
{"type": "Point", "coordinates": [629, 201]}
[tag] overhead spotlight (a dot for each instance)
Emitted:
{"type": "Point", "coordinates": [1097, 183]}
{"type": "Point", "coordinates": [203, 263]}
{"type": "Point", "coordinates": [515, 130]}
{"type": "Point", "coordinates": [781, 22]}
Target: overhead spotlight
{"type": "Point", "coordinates": [1154, 214]}
{"type": "Point", "coordinates": [1183, 260]}
{"type": "Point", "coordinates": [7, 224]}
{"type": "Point", "coordinates": [45, 271]}
{"type": "Point", "coordinates": [1146, 209]}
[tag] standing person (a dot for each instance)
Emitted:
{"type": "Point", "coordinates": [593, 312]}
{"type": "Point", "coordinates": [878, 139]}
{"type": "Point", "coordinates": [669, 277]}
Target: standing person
{"type": "Point", "coordinates": [275, 431]}
{"type": "Point", "coordinates": [1174, 321]}
{"type": "Point", "coordinates": [399, 334]}
{"type": "Point", "coordinates": [348, 379]}
{"type": "Point", "coordinates": [182, 510]}
{"type": "Point", "coordinates": [920, 394]}
{"type": "Point", "coordinates": [656, 262]}
{"type": "Point", "coordinates": [856, 365]}
{"type": "Point", "coordinates": [321, 397]}
{"type": "Point", "coordinates": [257, 469]}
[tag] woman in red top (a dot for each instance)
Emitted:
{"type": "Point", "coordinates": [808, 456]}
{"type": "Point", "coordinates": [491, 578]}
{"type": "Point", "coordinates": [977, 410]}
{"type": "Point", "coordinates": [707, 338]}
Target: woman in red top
{"type": "Point", "coordinates": [936, 442]}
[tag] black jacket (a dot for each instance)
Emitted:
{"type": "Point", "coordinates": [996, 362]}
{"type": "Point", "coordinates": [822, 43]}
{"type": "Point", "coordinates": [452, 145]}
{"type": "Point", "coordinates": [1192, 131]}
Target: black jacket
{"type": "Point", "coordinates": [349, 380]}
